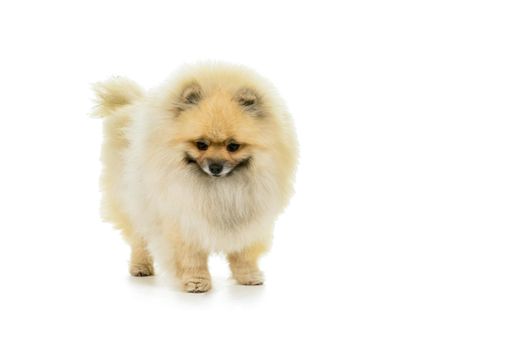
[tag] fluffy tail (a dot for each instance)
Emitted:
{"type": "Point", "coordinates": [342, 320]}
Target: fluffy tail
{"type": "Point", "coordinates": [113, 94]}
{"type": "Point", "coordinates": [112, 99]}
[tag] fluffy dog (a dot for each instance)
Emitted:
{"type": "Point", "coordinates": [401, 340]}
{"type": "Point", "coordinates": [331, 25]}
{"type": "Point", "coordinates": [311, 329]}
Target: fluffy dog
{"type": "Point", "coordinates": [203, 164]}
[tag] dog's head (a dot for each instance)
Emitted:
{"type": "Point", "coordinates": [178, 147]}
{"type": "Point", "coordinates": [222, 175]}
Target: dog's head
{"type": "Point", "coordinates": [219, 130]}
{"type": "Point", "coordinates": [219, 124]}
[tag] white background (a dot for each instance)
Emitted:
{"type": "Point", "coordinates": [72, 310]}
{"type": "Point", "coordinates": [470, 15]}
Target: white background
{"type": "Point", "coordinates": [406, 231]}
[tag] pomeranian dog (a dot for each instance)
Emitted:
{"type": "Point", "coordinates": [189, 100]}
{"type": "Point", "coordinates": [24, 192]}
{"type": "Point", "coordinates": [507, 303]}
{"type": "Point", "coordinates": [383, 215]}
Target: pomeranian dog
{"type": "Point", "coordinates": [203, 164]}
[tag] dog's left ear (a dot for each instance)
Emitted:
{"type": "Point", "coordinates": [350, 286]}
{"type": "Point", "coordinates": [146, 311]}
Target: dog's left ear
{"type": "Point", "coordinates": [190, 96]}
{"type": "Point", "coordinates": [250, 100]}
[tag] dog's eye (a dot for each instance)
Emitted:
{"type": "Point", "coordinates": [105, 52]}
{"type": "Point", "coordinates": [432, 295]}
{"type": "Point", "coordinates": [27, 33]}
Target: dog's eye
{"type": "Point", "coordinates": [201, 145]}
{"type": "Point", "coordinates": [233, 147]}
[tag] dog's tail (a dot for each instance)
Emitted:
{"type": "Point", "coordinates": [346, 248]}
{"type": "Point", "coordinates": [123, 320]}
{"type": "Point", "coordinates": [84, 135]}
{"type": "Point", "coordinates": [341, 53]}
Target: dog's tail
{"type": "Point", "coordinates": [114, 101]}
{"type": "Point", "coordinates": [113, 94]}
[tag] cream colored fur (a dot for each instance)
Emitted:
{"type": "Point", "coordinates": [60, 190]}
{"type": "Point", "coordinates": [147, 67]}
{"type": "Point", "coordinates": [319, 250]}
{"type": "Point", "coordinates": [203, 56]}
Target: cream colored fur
{"type": "Point", "coordinates": [168, 209]}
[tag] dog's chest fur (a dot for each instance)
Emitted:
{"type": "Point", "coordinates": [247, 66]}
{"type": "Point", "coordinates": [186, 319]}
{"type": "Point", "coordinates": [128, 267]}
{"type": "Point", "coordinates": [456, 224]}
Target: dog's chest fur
{"type": "Point", "coordinates": [223, 214]}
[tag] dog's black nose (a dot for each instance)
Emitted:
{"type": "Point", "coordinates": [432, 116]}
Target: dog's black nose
{"type": "Point", "coordinates": [215, 168]}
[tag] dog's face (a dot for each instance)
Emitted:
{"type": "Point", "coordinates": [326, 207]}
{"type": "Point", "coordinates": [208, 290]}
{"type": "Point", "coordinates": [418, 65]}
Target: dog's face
{"type": "Point", "coordinates": [218, 132]}
{"type": "Point", "coordinates": [221, 138]}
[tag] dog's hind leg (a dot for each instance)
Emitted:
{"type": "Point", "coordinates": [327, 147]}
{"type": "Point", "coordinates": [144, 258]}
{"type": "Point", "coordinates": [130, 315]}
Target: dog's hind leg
{"type": "Point", "coordinates": [141, 263]}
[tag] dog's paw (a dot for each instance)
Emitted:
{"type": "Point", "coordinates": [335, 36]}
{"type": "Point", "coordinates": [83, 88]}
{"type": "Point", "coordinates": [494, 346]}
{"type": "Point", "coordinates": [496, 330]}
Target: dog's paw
{"type": "Point", "coordinates": [253, 278]}
{"type": "Point", "coordinates": [141, 270]}
{"type": "Point", "coordinates": [196, 284]}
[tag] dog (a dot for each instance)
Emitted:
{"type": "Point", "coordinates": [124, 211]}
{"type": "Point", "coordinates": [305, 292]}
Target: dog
{"type": "Point", "coordinates": [205, 163]}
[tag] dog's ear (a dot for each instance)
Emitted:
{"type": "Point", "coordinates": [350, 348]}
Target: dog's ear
{"type": "Point", "coordinates": [250, 100]}
{"type": "Point", "coordinates": [190, 96]}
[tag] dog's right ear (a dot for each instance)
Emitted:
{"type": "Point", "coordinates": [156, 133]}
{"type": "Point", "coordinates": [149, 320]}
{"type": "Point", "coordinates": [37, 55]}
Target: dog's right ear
{"type": "Point", "coordinates": [190, 96]}
{"type": "Point", "coordinates": [250, 101]}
